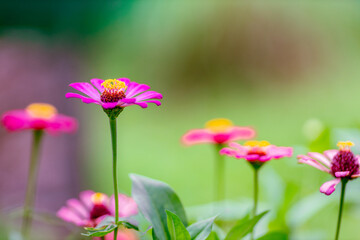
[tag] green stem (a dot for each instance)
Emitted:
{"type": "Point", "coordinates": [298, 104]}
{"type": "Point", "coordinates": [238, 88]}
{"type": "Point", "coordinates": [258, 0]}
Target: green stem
{"type": "Point", "coordinates": [256, 189]}
{"type": "Point", "coordinates": [342, 196]}
{"type": "Point", "coordinates": [31, 185]}
{"type": "Point", "coordinates": [114, 150]}
{"type": "Point", "coordinates": [219, 174]}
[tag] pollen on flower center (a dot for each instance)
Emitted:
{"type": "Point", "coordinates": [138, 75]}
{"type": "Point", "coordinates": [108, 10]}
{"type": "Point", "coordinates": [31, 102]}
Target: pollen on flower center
{"type": "Point", "coordinates": [254, 143]}
{"type": "Point", "coordinates": [41, 110]}
{"type": "Point", "coordinates": [257, 147]}
{"type": "Point", "coordinates": [219, 125]}
{"type": "Point", "coordinates": [98, 198]}
{"type": "Point", "coordinates": [345, 160]}
{"type": "Point", "coordinates": [114, 90]}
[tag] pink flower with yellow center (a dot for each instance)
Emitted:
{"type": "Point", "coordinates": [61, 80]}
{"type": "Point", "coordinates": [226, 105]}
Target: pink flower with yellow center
{"type": "Point", "coordinates": [256, 151]}
{"type": "Point", "coordinates": [113, 93]}
{"type": "Point", "coordinates": [92, 208]}
{"type": "Point", "coordinates": [38, 116]}
{"type": "Point", "coordinates": [342, 164]}
{"type": "Point", "coordinates": [218, 131]}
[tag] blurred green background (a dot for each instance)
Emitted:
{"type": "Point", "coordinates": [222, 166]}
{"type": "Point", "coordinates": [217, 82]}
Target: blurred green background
{"type": "Point", "coordinates": [268, 64]}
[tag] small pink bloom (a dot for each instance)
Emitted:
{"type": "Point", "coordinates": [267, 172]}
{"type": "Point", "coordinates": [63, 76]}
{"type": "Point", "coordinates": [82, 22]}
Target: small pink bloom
{"type": "Point", "coordinates": [113, 93]}
{"type": "Point", "coordinates": [218, 131]}
{"type": "Point", "coordinates": [339, 163]}
{"type": "Point", "coordinates": [38, 116]}
{"type": "Point", "coordinates": [256, 151]}
{"type": "Point", "coordinates": [93, 207]}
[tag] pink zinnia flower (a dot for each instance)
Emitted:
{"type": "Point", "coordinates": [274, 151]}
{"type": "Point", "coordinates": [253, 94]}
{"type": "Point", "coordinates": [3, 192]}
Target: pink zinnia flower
{"type": "Point", "coordinates": [93, 207]}
{"type": "Point", "coordinates": [340, 163]}
{"type": "Point", "coordinates": [113, 93]}
{"type": "Point", "coordinates": [256, 151]}
{"type": "Point", "coordinates": [218, 131]}
{"type": "Point", "coordinates": [38, 116]}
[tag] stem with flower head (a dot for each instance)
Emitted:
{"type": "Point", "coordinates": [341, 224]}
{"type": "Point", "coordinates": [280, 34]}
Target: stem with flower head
{"type": "Point", "coordinates": [342, 196]}
{"type": "Point", "coordinates": [114, 151]}
{"type": "Point", "coordinates": [219, 174]}
{"type": "Point", "coordinates": [31, 185]}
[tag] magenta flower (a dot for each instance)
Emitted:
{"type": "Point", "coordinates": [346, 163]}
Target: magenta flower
{"type": "Point", "coordinates": [218, 131]}
{"type": "Point", "coordinates": [256, 151]}
{"type": "Point", "coordinates": [93, 207]}
{"type": "Point", "coordinates": [38, 116]}
{"type": "Point", "coordinates": [113, 93]}
{"type": "Point", "coordinates": [342, 164]}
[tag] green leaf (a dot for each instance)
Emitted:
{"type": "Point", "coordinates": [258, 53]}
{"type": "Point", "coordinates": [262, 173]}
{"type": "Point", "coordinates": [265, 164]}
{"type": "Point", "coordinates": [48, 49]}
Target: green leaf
{"type": "Point", "coordinates": [100, 231]}
{"type": "Point", "coordinates": [176, 227]}
{"type": "Point", "coordinates": [213, 236]}
{"type": "Point", "coordinates": [202, 229]}
{"type": "Point", "coordinates": [153, 197]}
{"type": "Point", "coordinates": [244, 227]}
{"type": "Point", "coordinates": [128, 225]}
{"type": "Point", "coordinates": [274, 236]}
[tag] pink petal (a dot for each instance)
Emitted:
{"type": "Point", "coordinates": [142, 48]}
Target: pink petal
{"type": "Point", "coordinates": [70, 216]}
{"type": "Point", "coordinates": [123, 234]}
{"type": "Point", "coordinates": [309, 161]}
{"type": "Point", "coordinates": [320, 157]}
{"type": "Point", "coordinates": [330, 154]}
{"type": "Point", "coordinates": [240, 151]}
{"type": "Point", "coordinates": [228, 151]}
{"type": "Point", "coordinates": [78, 207]}
{"type": "Point", "coordinates": [109, 105]}
{"type": "Point", "coordinates": [329, 186]}
{"type": "Point", "coordinates": [135, 88]}
{"type": "Point", "coordinates": [355, 175]}
{"type": "Point", "coordinates": [148, 95]}
{"type": "Point", "coordinates": [87, 89]}
{"type": "Point", "coordinates": [15, 120]}
{"type": "Point", "coordinates": [239, 133]}
{"type": "Point", "coordinates": [97, 83]}
{"type": "Point", "coordinates": [85, 197]}
{"type": "Point", "coordinates": [127, 206]}
{"type": "Point", "coordinates": [279, 152]}
{"type": "Point", "coordinates": [62, 123]}
{"type": "Point", "coordinates": [142, 104]}
{"type": "Point", "coordinates": [83, 98]}
{"type": "Point", "coordinates": [342, 174]}
{"type": "Point", "coordinates": [158, 103]}
{"type": "Point", "coordinates": [197, 136]}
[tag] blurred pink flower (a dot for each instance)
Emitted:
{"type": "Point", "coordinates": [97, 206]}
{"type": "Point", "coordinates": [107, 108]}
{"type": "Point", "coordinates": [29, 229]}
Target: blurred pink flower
{"type": "Point", "coordinates": [113, 93]}
{"type": "Point", "coordinates": [93, 207]}
{"type": "Point", "coordinates": [256, 151]}
{"type": "Point", "coordinates": [218, 131]}
{"type": "Point", "coordinates": [123, 234]}
{"type": "Point", "coordinates": [39, 116]}
{"type": "Point", "coordinates": [340, 163]}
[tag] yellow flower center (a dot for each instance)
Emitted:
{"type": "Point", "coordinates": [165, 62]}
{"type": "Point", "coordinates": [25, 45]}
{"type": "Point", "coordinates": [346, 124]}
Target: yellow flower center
{"type": "Point", "coordinates": [41, 110]}
{"type": "Point", "coordinates": [254, 143]}
{"type": "Point", "coordinates": [98, 198]}
{"type": "Point", "coordinates": [219, 125]}
{"type": "Point", "coordinates": [114, 84]}
{"type": "Point", "coordinates": [345, 146]}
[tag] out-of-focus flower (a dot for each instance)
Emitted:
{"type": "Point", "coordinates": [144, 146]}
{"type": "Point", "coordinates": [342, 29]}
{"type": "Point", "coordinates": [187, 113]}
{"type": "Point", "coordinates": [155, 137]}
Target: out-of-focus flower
{"type": "Point", "coordinates": [256, 151]}
{"type": "Point", "coordinates": [340, 163]}
{"type": "Point", "coordinates": [93, 207]}
{"type": "Point", "coordinates": [38, 116]}
{"type": "Point", "coordinates": [218, 131]}
{"type": "Point", "coordinates": [123, 234]}
{"type": "Point", "coordinates": [113, 93]}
